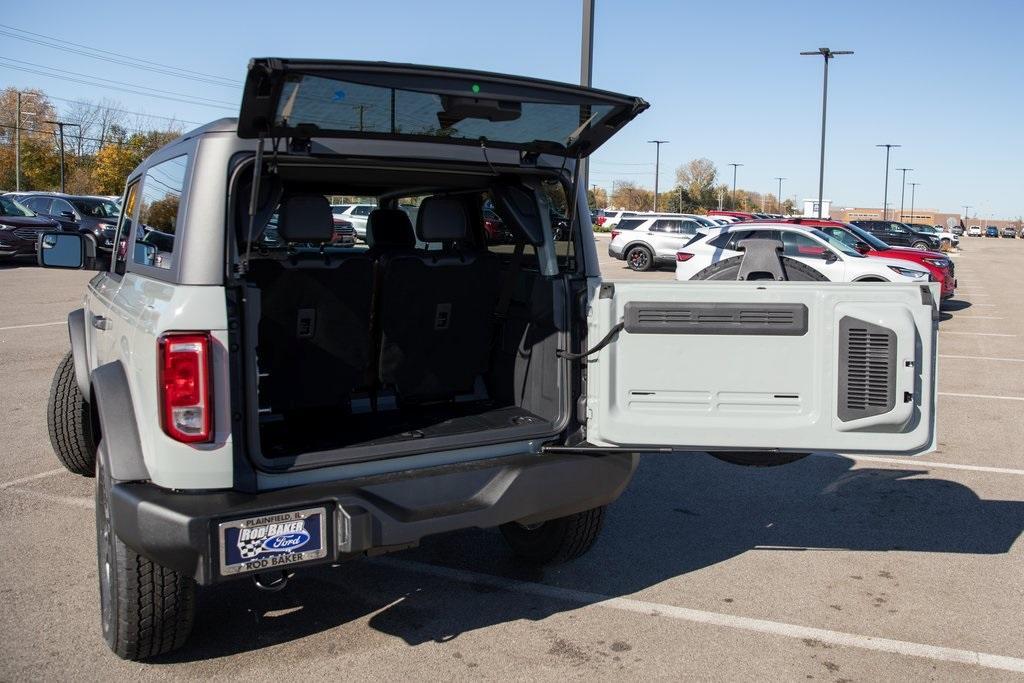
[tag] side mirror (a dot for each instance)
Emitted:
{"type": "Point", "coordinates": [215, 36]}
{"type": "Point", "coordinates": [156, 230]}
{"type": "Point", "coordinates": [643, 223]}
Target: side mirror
{"type": "Point", "coordinates": [830, 256]}
{"type": "Point", "coordinates": [61, 250]}
{"type": "Point", "coordinates": [70, 215]}
{"type": "Point", "coordinates": [862, 248]}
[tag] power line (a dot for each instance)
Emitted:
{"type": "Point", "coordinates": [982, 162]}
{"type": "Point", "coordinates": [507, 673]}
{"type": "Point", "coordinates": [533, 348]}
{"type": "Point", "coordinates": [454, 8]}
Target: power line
{"type": "Point", "coordinates": [111, 87]}
{"type": "Point", "coordinates": [116, 57]}
{"type": "Point", "coordinates": [123, 111]}
{"type": "Point", "coordinates": [121, 83]}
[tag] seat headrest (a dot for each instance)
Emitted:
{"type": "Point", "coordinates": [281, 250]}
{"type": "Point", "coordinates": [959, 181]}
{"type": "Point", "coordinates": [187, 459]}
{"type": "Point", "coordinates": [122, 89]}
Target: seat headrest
{"type": "Point", "coordinates": [442, 219]}
{"type": "Point", "coordinates": [389, 229]}
{"type": "Point", "coordinates": [305, 218]}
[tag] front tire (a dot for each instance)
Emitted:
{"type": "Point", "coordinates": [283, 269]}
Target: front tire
{"type": "Point", "coordinates": [557, 540]}
{"type": "Point", "coordinates": [69, 421]}
{"type": "Point", "coordinates": [640, 259]}
{"type": "Point", "coordinates": [147, 610]}
{"type": "Point", "coordinates": [920, 245]}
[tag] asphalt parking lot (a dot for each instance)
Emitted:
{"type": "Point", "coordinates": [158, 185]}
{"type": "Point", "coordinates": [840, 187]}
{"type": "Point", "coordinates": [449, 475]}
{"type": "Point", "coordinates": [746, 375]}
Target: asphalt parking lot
{"type": "Point", "coordinates": [832, 568]}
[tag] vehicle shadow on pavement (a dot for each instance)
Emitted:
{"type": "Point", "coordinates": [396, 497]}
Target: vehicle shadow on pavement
{"type": "Point", "coordinates": [682, 513]}
{"type": "Point", "coordinates": [954, 305]}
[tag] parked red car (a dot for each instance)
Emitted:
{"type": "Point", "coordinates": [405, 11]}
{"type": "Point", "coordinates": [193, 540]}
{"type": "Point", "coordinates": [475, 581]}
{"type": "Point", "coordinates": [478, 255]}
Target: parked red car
{"type": "Point", "coordinates": [937, 263]}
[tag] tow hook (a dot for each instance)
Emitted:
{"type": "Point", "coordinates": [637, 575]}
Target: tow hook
{"type": "Point", "coordinates": [272, 581]}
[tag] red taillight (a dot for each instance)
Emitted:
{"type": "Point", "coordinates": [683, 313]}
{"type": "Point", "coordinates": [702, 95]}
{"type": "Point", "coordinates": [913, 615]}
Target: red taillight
{"type": "Point", "coordinates": [186, 405]}
{"type": "Point", "coordinates": [615, 233]}
{"type": "Point", "coordinates": [683, 256]}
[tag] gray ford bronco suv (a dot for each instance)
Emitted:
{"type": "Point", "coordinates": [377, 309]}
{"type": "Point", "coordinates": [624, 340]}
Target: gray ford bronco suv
{"type": "Point", "coordinates": [253, 399]}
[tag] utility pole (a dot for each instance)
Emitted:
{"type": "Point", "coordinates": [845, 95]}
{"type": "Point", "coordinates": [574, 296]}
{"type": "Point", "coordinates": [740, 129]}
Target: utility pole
{"type": "Point", "coordinates": [780, 179]}
{"type": "Point", "coordinates": [966, 207]}
{"type": "Point", "coordinates": [827, 54]}
{"type": "Point", "coordinates": [734, 167]}
{"type": "Point", "coordinates": [913, 188]}
{"type": "Point", "coordinates": [17, 147]}
{"type": "Point", "coordinates": [903, 191]}
{"type": "Point", "coordinates": [60, 126]}
{"type": "Point", "coordinates": [885, 196]}
{"type": "Point", "coordinates": [657, 167]}
{"type": "Point", "coordinates": [587, 69]}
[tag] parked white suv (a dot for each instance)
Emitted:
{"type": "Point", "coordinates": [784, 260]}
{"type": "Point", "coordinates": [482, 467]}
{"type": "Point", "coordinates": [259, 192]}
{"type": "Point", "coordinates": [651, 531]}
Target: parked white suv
{"type": "Point", "coordinates": [832, 258]}
{"type": "Point", "coordinates": [252, 408]}
{"type": "Point", "coordinates": [974, 231]}
{"type": "Point", "coordinates": [646, 242]}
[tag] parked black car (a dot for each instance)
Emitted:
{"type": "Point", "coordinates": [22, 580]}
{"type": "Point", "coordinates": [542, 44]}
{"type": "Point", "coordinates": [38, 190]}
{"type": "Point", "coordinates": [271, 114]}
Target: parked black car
{"type": "Point", "coordinates": [899, 234]}
{"type": "Point", "coordinates": [20, 228]}
{"type": "Point", "coordinates": [94, 215]}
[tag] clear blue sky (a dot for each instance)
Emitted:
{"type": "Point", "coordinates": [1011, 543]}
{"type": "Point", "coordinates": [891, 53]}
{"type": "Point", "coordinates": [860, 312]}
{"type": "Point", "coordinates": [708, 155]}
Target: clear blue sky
{"type": "Point", "coordinates": [944, 79]}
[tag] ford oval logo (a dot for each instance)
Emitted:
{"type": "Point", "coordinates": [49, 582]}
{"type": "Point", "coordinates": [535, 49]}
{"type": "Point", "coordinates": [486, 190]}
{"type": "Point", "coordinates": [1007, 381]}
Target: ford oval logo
{"type": "Point", "coordinates": [286, 542]}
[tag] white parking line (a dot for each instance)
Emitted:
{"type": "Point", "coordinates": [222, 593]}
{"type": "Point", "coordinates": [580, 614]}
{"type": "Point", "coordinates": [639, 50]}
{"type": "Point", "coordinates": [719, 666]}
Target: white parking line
{"type": "Point", "coordinates": [978, 334]}
{"type": "Point", "coordinates": [655, 609]}
{"type": "Point", "coordinates": [922, 463]}
{"type": "Point", "coordinates": [978, 317]}
{"type": "Point", "coordinates": [998, 398]}
{"type": "Point", "coordinates": [1005, 360]}
{"type": "Point", "coordinates": [84, 503]}
{"type": "Point", "coordinates": [22, 327]}
{"type": "Point", "coordinates": [32, 477]}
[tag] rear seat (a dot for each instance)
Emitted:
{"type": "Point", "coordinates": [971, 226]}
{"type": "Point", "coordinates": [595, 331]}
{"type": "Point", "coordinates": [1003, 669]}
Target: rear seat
{"type": "Point", "coordinates": [314, 338]}
{"type": "Point", "coordinates": [436, 309]}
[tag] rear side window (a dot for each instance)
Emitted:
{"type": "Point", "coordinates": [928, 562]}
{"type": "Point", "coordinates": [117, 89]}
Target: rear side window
{"type": "Point", "coordinates": [124, 228]}
{"type": "Point", "coordinates": [162, 188]}
{"type": "Point", "coordinates": [629, 224]}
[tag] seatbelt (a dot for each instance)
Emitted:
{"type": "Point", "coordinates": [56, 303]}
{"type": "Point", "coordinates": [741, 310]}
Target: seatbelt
{"type": "Point", "coordinates": [508, 288]}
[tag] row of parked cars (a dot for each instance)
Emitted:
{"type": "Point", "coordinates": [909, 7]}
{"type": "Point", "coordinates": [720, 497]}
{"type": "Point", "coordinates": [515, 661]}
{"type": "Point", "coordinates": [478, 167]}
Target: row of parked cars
{"type": "Point", "coordinates": [992, 231]}
{"type": "Point", "coordinates": [24, 215]}
{"type": "Point", "coordinates": [813, 249]}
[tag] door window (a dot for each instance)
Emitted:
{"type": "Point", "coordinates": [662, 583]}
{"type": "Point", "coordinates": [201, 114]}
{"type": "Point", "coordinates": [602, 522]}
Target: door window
{"type": "Point", "coordinates": [795, 244]}
{"type": "Point", "coordinates": [665, 225]}
{"type": "Point", "coordinates": [162, 188]}
{"type": "Point", "coordinates": [363, 210]}
{"type": "Point", "coordinates": [60, 206]}
{"type": "Point", "coordinates": [38, 204]}
{"type": "Point", "coordinates": [124, 228]}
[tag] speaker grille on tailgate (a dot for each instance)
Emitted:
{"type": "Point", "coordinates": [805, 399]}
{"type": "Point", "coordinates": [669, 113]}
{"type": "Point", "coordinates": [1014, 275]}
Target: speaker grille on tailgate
{"type": "Point", "coordinates": [706, 318]}
{"type": "Point", "coordinates": [867, 369]}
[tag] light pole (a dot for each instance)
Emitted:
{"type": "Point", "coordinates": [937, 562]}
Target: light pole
{"type": "Point", "coordinates": [657, 162]}
{"type": "Point", "coordinates": [827, 54]}
{"type": "Point", "coordinates": [885, 196]}
{"type": "Point", "coordinates": [779, 196]}
{"type": "Point", "coordinates": [587, 70]}
{"type": "Point", "coordinates": [734, 167]}
{"type": "Point", "coordinates": [903, 190]}
{"type": "Point", "coordinates": [60, 126]}
{"type": "Point", "coordinates": [966, 207]}
{"type": "Point", "coordinates": [913, 188]}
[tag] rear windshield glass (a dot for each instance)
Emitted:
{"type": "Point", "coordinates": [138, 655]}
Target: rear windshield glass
{"type": "Point", "coordinates": [346, 106]}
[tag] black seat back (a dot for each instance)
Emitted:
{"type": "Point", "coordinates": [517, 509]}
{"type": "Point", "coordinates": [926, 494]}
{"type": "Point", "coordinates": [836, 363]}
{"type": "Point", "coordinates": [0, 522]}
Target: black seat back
{"type": "Point", "coordinates": [436, 309]}
{"type": "Point", "coordinates": [314, 339]}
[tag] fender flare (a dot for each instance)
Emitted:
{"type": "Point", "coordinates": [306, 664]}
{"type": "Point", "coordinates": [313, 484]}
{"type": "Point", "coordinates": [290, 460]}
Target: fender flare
{"type": "Point", "coordinates": [120, 446]}
{"type": "Point", "coordinates": [638, 243]}
{"type": "Point", "coordinates": [79, 351]}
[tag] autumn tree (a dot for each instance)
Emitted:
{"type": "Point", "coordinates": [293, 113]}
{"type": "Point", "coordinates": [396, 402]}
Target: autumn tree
{"type": "Point", "coordinates": [115, 160]}
{"type": "Point", "coordinates": [697, 178]}
{"type": "Point", "coordinates": [631, 197]}
{"type": "Point", "coordinates": [40, 164]}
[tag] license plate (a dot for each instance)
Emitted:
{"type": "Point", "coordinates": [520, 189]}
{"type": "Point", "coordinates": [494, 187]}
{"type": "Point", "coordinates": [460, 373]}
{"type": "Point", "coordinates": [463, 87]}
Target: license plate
{"type": "Point", "coordinates": [272, 541]}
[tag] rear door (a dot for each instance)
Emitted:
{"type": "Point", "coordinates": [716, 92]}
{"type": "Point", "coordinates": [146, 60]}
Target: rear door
{"type": "Point", "coordinates": [378, 100]}
{"type": "Point", "coordinates": [763, 366]}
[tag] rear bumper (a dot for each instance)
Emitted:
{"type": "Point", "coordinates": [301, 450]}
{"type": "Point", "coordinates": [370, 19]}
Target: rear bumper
{"type": "Point", "coordinates": [179, 530]}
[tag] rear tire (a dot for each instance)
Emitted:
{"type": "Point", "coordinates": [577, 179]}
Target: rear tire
{"type": "Point", "coordinates": [640, 259]}
{"type": "Point", "coordinates": [557, 540]}
{"type": "Point", "coordinates": [146, 610]}
{"type": "Point", "coordinates": [69, 421]}
{"type": "Point", "coordinates": [729, 269]}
